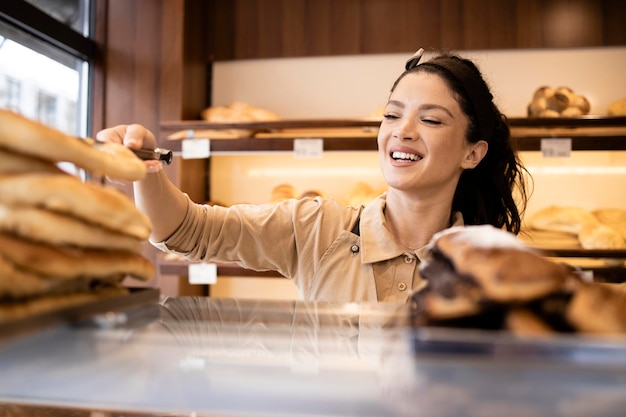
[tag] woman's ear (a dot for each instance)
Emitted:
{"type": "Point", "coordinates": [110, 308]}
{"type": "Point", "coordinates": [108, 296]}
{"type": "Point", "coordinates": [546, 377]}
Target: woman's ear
{"type": "Point", "coordinates": [476, 154]}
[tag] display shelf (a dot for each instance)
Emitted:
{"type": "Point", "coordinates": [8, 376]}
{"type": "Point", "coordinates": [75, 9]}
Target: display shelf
{"type": "Point", "coordinates": [595, 133]}
{"type": "Point", "coordinates": [181, 268]}
{"type": "Point", "coordinates": [586, 132]}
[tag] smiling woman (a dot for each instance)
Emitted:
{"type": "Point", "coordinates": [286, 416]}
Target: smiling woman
{"type": "Point", "coordinates": [444, 143]}
{"type": "Point", "coordinates": [445, 153]}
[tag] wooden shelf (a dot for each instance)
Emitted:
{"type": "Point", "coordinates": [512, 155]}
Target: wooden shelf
{"type": "Point", "coordinates": [588, 133]}
{"type": "Point", "coordinates": [181, 268]}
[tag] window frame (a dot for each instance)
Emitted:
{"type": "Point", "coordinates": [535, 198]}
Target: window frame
{"type": "Point", "coordinates": [32, 21]}
{"type": "Point", "coordinates": [37, 23]}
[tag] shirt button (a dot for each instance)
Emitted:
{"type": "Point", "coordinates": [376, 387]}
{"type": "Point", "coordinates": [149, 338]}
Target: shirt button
{"type": "Point", "coordinates": [402, 286]}
{"type": "Point", "coordinates": [408, 259]}
{"type": "Point", "coordinates": [354, 249]}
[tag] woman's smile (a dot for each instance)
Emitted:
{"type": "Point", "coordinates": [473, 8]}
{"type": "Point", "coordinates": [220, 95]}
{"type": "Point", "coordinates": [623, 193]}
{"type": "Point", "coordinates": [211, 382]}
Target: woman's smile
{"type": "Point", "coordinates": [403, 156]}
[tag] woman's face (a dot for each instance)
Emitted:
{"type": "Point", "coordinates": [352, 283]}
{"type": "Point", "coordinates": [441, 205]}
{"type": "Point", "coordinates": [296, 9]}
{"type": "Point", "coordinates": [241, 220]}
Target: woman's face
{"type": "Point", "coordinates": [422, 139]}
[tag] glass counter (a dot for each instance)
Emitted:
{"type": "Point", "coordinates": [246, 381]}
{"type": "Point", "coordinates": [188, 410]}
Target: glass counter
{"type": "Point", "coordinates": [201, 356]}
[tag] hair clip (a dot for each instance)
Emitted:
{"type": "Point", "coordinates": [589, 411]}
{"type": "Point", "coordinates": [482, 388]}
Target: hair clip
{"type": "Point", "coordinates": [414, 60]}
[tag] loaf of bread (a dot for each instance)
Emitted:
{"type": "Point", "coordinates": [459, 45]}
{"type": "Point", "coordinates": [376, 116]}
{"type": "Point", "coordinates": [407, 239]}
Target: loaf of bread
{"type": "Point", "coordinates": [483, 277]}
{"type": "Point", "coordinates": [21, 135]}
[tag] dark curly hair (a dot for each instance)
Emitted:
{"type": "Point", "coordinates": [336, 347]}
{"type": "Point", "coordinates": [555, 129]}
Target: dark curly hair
{"type": "Point", "coordinates": [485, 194]}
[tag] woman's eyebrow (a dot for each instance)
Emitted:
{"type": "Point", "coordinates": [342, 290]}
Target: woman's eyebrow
{"type": "Point", "coordinates": [396, 103]}
{"type": "Point", "coordinates": [427, 106]}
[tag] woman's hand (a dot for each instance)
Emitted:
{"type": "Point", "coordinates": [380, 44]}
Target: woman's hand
{"type": "Point", "coordinates": [134, 136]}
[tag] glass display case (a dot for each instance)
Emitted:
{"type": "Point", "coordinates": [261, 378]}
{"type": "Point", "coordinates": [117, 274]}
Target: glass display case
{"type": "Point", "coordinates": [201, 356]}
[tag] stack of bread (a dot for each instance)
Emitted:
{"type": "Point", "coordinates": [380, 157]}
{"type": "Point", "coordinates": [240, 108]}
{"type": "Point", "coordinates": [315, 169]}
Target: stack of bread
{"type": "Point", "coordinates": [557, 102]}
{"type": "Point", "coordinates": [238, 112]}
{"type": "Point", "coordinates": [64, 241]}
{"type": "Point", "coordinates": [602, 228]}
{"type": "Point", "coordinates": [483, 277]}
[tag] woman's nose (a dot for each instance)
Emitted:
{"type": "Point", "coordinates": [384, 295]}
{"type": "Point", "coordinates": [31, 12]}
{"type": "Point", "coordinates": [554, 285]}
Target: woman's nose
{"type": "Point", "coordinates": [407, 130]}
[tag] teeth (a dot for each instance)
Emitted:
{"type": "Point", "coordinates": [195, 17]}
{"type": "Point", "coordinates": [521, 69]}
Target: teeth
{"type": "Point", "coordinates": [405, 156]}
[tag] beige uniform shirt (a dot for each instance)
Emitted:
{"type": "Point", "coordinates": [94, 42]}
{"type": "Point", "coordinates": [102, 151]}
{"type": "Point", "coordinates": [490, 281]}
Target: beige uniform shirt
{"type": "Point", "coordinates": [314, 242]}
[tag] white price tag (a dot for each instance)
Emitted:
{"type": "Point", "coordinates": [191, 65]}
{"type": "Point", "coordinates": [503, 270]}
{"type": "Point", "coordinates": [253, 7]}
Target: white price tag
{"type": "Point", "coordinates": [202, 273]}
{"type": "Point", "coordinates": [196, 148]}
{"type": "Point", "coordinates": [556, 147]}
{"type": "Point", "coordinates": [308, 148]}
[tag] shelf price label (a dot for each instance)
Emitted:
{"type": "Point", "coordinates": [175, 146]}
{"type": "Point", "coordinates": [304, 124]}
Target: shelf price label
{"type": "Point", "coordinates": [556, 147]}
{"type": "Point", "coordinates": [196, 148]}
{"type": "Point", "coordinates": [202, 273]}
{"type": "Point", "coordinates": [308, 148]}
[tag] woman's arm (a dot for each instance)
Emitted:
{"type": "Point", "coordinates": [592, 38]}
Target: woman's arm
{"type": "Point", "coordinates": [155, 195]}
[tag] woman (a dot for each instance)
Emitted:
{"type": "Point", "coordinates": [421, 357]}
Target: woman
{"type": "Point", "coordinates": [446, 156]}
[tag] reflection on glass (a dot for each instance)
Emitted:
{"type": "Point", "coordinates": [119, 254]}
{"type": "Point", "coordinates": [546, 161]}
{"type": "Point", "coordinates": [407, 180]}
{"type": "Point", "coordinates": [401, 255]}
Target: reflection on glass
{"type": "Point", "coordinates": [73, 13]}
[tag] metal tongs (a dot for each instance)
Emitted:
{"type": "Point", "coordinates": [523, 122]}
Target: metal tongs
{"type": "Point", "coordinates": [158, 154]}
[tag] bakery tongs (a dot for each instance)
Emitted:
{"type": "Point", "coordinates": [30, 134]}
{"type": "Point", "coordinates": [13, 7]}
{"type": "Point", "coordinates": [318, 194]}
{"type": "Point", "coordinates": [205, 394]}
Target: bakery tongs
{"type": "Point", "coordinates": [158, 154]}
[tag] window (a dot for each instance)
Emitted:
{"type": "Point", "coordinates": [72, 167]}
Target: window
{"type": "Point", "coordinates": [46, 55]}
{"type": "Point", "coordinates": [10, 93]}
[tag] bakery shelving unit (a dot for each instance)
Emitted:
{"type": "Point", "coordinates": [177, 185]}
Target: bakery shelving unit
{"type": "Point", "coordinates": [587, 133]}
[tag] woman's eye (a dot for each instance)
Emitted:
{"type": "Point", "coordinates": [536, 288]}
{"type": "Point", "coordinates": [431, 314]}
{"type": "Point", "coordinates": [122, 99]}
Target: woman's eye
{"type": "Point", "coordinates": [389, 116]}
{"type": "Point", "coordinates": [431, 121]}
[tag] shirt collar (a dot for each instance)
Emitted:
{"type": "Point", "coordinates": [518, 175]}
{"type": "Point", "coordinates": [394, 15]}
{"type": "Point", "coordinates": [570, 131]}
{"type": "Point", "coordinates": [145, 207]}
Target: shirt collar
{"type": "Point", "coordinates": [377, 243]}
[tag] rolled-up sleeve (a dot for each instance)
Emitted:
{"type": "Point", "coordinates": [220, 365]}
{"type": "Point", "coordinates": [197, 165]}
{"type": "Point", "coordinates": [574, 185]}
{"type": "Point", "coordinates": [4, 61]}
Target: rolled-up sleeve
{"type": "Point", "coordinates": [284, 237]}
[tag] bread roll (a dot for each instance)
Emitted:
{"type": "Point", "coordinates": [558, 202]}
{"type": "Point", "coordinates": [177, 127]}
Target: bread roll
{"type": "Point", "coordinates": [549, 113]}
{"type": "Point", "coordinates": [572, 112]}
{"type": "Point", "coordinates": [282, 192]}
{"type": "Point", "coordinates": [563, 98]}
{"type": "Point", "coordinates": [543, 92]}
{"type": "Point", "coordinates": [536, 106]}
{"type": "Point", "coordinates": [617, 108]}
{"type": "Point", "coordinates": [581, 103]}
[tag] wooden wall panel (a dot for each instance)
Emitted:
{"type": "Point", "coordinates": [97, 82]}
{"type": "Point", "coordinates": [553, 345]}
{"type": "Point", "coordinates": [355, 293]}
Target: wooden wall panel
{"type": "Point", "coordinates": [346, 28]}
{"type": "Point", "coordinates": [452, 24]}
{"type": "Point", "coordinates": [409, 24]}
{"type": "Point", "coordinates": [291, 28]}
{"type": "Point", "coordinates": [614, 18]}
{"type": "Point", "coordinates": [529, 28]}
{"type": "Point", "coordinates": [572, 22]}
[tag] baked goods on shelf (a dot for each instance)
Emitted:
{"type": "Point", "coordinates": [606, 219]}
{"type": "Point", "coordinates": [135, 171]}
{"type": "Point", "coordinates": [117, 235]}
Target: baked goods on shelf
{"type": "Point", "coordinates": [282, 192]}
{"type": "Point", "coordinates": [617, 108]}
{"type": "Point", "coordinates": [360, 193]}
{"type": "Point", "coordinates": [557, 102]}
{"type": "Point", "coordinates": [236, 112]}
{"type": "Point", "coordinates": [603, 228]}
{"type": "Point", "coordinates": [483, 277]}
{"type": "Point", "coordinates": [64, 241]}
